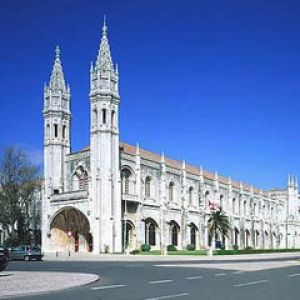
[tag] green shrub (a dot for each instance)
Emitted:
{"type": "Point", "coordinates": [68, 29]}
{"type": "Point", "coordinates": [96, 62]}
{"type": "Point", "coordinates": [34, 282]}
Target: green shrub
{"type": "Point", "coordinates": [145, 248]}
{"type": "Point", "coordinates": [235, 247]}
{"type": "Point", "coordinates": [171, 248]}
{"type": "Point", "coordinates": [222, 247]}
{"type": "Point", "coordinates": [190, 247]}
{"type": "Point", "coordinates": [134, 252]}
{"type": "Point", "coordinates": [248, 249]}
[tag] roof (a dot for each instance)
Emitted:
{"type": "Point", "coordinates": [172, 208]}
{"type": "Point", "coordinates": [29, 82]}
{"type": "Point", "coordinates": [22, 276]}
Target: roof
{"type": "Point", "coordinates": [176, 164]}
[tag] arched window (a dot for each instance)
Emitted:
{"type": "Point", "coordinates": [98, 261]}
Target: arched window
{"type": "Point", "coordinates": [171, 191]}
{"type": "Point", "coordinates": [193, 234]}
{"type": "Point", "coordinates": [126, 176]}
{"type": "Point", "coordinates": [80, 179]}
{"type": "Point", "coordinates": [207, 199]}
{"type": "Point", "coordinates": [174, 234]}
{"type": "Point", "coordinates": [64, 131]}
{"type": "Point", "coordinates": [95, 117]}
{"type": "Point", "coordinates": [55, 130]}
{"type": "Point", "coordinates": [148, 186]}
{"type": "Point", "coordinates": [221, 201]}
{"type": "Point", "coordinates": [152, 234]}
{"type": "Point", "coordinates": [233, 205]}
{"type": "Point", "coordinates": [112, 118]}
{"type": "Point", "coordinates": [245, 208]}
{"type": "Point", "coordinates": [191, 195]}
{"type": "Point", "coordinates": [103, 116]}
{"type": "Point", "coordinates": [47, 130]}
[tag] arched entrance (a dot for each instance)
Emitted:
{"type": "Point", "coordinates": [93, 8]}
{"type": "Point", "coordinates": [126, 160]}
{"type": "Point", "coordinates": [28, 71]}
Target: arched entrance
{"type": "Point", "coordinates": [174, 233]}
{"type": "Point", "coordinates": [70, 231]}
{"type": "Point", "coordinates": [129, 239]}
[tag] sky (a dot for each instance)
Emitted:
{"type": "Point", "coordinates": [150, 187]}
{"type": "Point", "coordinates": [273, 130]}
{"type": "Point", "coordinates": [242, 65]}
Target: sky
{"type": "Point", "coordinates": [216, 83]}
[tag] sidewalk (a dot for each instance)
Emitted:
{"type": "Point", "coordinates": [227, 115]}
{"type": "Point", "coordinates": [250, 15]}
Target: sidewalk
{"type": "Point", "coordinates": [17, 283]}
{"type": "Point", "coordinates": [130, 258]}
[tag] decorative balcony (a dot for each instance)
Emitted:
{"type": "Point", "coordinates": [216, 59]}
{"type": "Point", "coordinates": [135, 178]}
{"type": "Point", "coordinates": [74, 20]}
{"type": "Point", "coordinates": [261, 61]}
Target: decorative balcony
{"type": "Point", "coordinates": [130, 198]}
{"type": "Point", "coordinates": [69, 196]}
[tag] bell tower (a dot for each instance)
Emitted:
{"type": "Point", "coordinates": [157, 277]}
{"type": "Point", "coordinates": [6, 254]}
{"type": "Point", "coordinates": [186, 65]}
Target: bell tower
{"type": "Point", "coordinates": [104, 140]}
{"type": "Point", "coordinates": [57, 122]}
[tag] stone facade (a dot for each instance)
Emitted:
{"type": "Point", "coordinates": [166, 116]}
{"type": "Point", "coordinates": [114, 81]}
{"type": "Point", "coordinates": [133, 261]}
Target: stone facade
{"type": "Point", "coordinates": [112, 196]}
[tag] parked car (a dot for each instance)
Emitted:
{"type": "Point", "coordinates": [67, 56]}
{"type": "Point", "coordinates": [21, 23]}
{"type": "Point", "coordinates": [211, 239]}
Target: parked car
{"type": "Point", "coordinates": [26, 252]}
{"type": "Point", "coordinates": [4, 257]}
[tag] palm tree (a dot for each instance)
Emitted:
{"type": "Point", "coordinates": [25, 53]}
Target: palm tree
{"type": "Point", "coordinates": [218, 225]}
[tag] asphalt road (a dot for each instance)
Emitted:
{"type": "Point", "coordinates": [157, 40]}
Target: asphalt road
{"type": "Point", "coordinates": [144, 280]}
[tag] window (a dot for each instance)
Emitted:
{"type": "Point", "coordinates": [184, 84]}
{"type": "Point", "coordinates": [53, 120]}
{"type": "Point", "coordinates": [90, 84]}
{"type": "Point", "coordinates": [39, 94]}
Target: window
{"type": "Point", "coordinates": [191, 191]}
{"type": "Point", "coordinates": [125, 175]}
{"type": "Point", "coordinates": [171, 191]}
{"type": "Point", "coordinates": [174, 234]}
{"type": "Point", "coordinates": [193, 235]}
{"type": "Point", "coordinates": [152, 234]}
{"type": "Point", "coordinates": [64, 131]}
{"type": "Point", "coordinates": [55, 130]}
{"type": "Point", "coordinates": [113, 118]}
{"type": "Point", "coordinates": [104, 116]}
{"type": "Point", "coordinates": [47, 130]}
{"type": "Point", "coordinates": [233, 205]}
{"type": "Point", "coordinates": [148, 186]}
{"type": "Point", "coordinates": [221, 201]}
{"type": "Point", "coordinates": [80, 179]}
{"type": "Point", "coordinates": [95, 117]}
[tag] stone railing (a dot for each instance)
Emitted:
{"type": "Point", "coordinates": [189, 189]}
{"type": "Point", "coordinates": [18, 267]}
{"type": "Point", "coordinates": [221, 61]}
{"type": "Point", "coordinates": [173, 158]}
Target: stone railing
{"type": "Point", "coordinates": [67, 196]}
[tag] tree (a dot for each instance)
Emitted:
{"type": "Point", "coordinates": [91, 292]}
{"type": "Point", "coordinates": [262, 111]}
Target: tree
{"type": "Point", "coordinates": [18, 183]}
{"type": "Point", "coordinates": [218, 224]}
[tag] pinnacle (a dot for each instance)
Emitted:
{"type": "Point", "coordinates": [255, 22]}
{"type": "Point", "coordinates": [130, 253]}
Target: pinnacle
{"type": "Point", "coordinates": [104, 60]}
{"type": "Point", "coordinates": [57, 81]}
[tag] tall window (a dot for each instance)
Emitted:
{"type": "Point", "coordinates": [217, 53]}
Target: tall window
{"type": "Point", "coordinates": [113, 118]}
{"type": "Point", "coordinates": [126, 174]}
{"type": "Point", "coordinates": [191, 192]}
{"type": "Point", "coordinates": [64, 131]}
{"type": "Point", "coordinates": [233, 206]}
{"type": "Point", "coordinates": [103, 116]}
{"type": "Point", "coordinates": [148, 186]}
{"type": "Point", "coordinates": [55, 130]}
{"type": "Point", "coordinates": [222, 201]}
{"type": "Point", "coordinates": [171, 191]}
{"type": "Point", "coordinates": [174, 234]}
{"type": "Point", "coordinates": [95, 117]}
{"type": "Point", "coordinates": [151, 234]}
{"type": "Point", "coordinates": [193, 235]}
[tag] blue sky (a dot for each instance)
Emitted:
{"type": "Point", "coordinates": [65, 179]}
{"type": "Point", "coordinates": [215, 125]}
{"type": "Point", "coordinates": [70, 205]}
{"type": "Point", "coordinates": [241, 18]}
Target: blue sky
{"type": "Point", "coordinates": [214, 82]}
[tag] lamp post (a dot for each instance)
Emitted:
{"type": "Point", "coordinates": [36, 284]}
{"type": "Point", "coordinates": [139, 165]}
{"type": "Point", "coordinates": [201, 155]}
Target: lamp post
{"type": "Point", "coordinates": [69, 235]}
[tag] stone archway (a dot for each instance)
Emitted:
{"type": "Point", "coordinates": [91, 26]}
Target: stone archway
{"type": "Point", "coordinates": [75, 222]}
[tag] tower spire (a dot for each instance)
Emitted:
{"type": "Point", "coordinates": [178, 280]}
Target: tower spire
{"type": "Point", "coordinates": [57, 80]}
{"type": "Point", "coordinates": [104, 60]}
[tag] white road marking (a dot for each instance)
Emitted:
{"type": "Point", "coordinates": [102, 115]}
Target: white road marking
{"type": "Point", "coordinates": [294, 275]}
{"type": "Point", "coordinates": [238, 272]}
{"type": "Point", "coordinates": [194, 277]}
{"type": "Point", "coordinates": [220, 274]}
{"type": "Point", "coordinates": [104, 287]}
{"type": "Point", "coordinates": [250, 283]}
{"type": "Point", "coordinates": [168, 296]}
{"type": "Point", "coordinates": [160, 281]}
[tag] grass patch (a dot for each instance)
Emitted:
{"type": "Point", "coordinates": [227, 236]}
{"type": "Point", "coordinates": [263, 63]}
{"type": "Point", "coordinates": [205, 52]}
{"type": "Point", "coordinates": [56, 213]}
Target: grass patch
{"type": "Point", "coordinates": [252, 251]}
{"type": "Point", "coordinates": [178, 252]}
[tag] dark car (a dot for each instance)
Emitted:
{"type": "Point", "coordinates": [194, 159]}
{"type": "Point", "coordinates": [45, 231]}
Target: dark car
{"type": "Point", "coordinates": [4, 256]}
{"type": "Point", "coordinates": [26, 252]}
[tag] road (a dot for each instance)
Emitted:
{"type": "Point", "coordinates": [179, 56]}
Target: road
{"type": "Point", "coordinates": [152, 281]}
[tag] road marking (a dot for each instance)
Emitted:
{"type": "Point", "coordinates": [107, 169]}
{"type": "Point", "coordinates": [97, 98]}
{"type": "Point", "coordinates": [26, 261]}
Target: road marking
{"type": "Point", "coordinates": [294, 275]}
{"type": "Point", "coordinates": [160, 281]}
{"type": "Point", "coordinates": [194, 277]}
{"type": "Point", "coordinates": [238, 272]}
{"type": "Point", "coordinates": [168, 296]}
{"type": "Point", "coordinates": [220, 274]}
{"type": "Point", "coordinates": [104, 287]}
{"type": "Point", "coordinates": [250, 283]}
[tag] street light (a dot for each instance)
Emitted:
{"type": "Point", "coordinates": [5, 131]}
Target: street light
{"type": "Point", "coordinates": [69, 235]}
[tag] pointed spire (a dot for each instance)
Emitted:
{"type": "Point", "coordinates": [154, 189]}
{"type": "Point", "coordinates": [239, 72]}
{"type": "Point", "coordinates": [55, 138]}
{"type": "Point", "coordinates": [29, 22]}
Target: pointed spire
{"type": "Point", "coordinates": [104, 60]}
{"type": "Point", "coordinates": [183, 165]}
{"type": "Point", "coordinates": [57, 80]}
